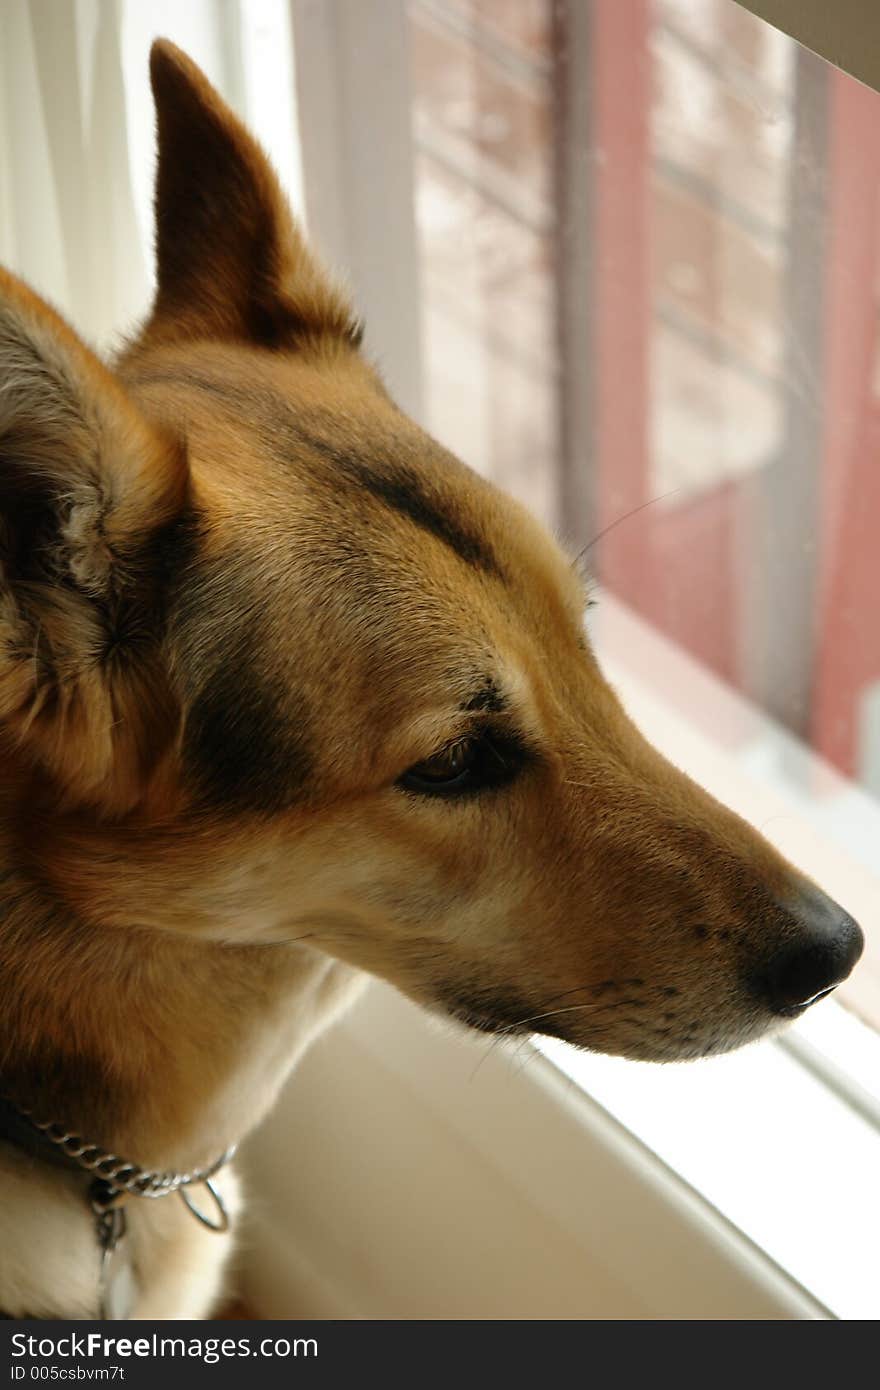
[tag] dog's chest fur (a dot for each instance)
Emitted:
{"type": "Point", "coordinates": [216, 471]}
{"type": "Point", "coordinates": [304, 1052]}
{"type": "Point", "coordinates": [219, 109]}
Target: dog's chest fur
{"type": "Point", "coordinates": [51, 1260]}
{"type": "Point", "coordinates": [197, 1064]}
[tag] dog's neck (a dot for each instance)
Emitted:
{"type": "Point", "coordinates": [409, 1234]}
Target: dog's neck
{"type": "Point", "coordinates": [163, 1048]}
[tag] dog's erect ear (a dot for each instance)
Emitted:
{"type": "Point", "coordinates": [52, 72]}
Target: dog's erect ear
{"type": "Point", "coordinates": [88, 491]}
{"type": "Point", "coordinates": [231, 262]}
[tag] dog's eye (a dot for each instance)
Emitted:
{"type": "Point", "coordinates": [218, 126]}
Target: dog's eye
{"type": "Point", "coordinates": [468, 765]}
{"type": "Point", "coordinates": [446, 768]}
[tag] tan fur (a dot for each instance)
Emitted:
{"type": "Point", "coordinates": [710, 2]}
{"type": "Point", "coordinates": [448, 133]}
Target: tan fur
{"type": "Point", "coordinates": [252, 595]}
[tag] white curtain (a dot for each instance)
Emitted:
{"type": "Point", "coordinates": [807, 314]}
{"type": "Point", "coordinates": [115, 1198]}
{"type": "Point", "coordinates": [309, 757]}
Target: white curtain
{"type": "Point", "coordinates": [76, 136]}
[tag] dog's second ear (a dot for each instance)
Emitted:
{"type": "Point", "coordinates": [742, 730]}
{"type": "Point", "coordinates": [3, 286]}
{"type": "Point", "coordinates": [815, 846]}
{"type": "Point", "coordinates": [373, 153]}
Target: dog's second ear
{"type": "Point", "coordinates": [88, 492]}
{"type": "Point", "coordinates": [231, 262]}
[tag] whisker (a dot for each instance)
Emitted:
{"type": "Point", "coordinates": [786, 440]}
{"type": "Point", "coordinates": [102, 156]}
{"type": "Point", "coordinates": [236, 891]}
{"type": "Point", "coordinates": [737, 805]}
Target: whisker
{"type": "Point", "coordinates": [522, 1053]}
{"type": "Point", "coordinates": [551, 1013]}
{"type": "Point", "coordinates": [285, 941]}
{"type": "Point", "coordinates": [566, 992]}
{"type": "Point", "coordinates": [503, 1034]}
{"type": "Point", "coordinates": [492, 1044]}
{"type": "Point", "coordinates": [619, 522]}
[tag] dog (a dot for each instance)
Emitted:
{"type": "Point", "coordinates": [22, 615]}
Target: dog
{"type": "Point", "coordinates": [290, 697]}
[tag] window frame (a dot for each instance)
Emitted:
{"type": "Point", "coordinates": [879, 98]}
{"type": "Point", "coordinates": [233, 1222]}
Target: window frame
{"type": "Point", "coordinates": [846, 34]}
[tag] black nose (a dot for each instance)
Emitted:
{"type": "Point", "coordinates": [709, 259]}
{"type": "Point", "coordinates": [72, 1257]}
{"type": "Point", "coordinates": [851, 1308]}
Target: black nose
{"type": "Point", "coordinates": [815, 957]}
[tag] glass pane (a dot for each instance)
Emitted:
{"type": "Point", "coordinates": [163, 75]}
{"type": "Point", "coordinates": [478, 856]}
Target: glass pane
{"type": "Point", "coordinates": [651, 259]}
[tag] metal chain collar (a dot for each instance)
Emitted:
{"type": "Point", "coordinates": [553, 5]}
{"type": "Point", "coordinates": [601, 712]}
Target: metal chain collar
{"type": "Point", "coordinates": [117, 1173]}
{"type": "Point", "coordinates": [115, 1179]}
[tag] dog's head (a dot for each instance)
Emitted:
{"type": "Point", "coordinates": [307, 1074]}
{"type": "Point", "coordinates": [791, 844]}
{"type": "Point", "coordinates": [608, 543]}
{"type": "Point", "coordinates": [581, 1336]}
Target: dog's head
{"type": "Point", "coordinates": [285, 669]}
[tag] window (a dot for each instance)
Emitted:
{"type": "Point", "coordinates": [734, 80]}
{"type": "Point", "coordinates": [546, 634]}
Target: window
{"type": "Point", "coordinates": [650, 256]}
{"type": "Point", "coordinates": [650, 259]}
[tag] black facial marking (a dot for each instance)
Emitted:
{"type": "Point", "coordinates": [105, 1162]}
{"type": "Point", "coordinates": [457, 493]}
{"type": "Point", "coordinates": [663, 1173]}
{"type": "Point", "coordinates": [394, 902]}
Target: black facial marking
{"type": "Point", "coordinates": [242, 749]}
{"type": "Point", "coordinates": [245, 748]}
{"type": "Point", "coordinates": [391, 482]}
{"type": "Point", "coordinates": [399, 488]}
{"type": "Point", "coordinates": [489, 698]}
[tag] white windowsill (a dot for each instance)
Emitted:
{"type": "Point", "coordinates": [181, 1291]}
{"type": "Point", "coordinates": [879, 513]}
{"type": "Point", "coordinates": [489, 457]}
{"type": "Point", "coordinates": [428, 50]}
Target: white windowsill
{"type": "Point", "coordinates": [414, 1171]}
{"type": "Point", "coordinates": [776, 1151]}
{"type": "Point", "coordinates": [781, 1137]}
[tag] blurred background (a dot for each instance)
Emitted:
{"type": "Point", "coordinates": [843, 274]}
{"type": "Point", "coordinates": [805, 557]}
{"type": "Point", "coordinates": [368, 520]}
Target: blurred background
{"type": "Point", "coordinates": [659, 219]}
